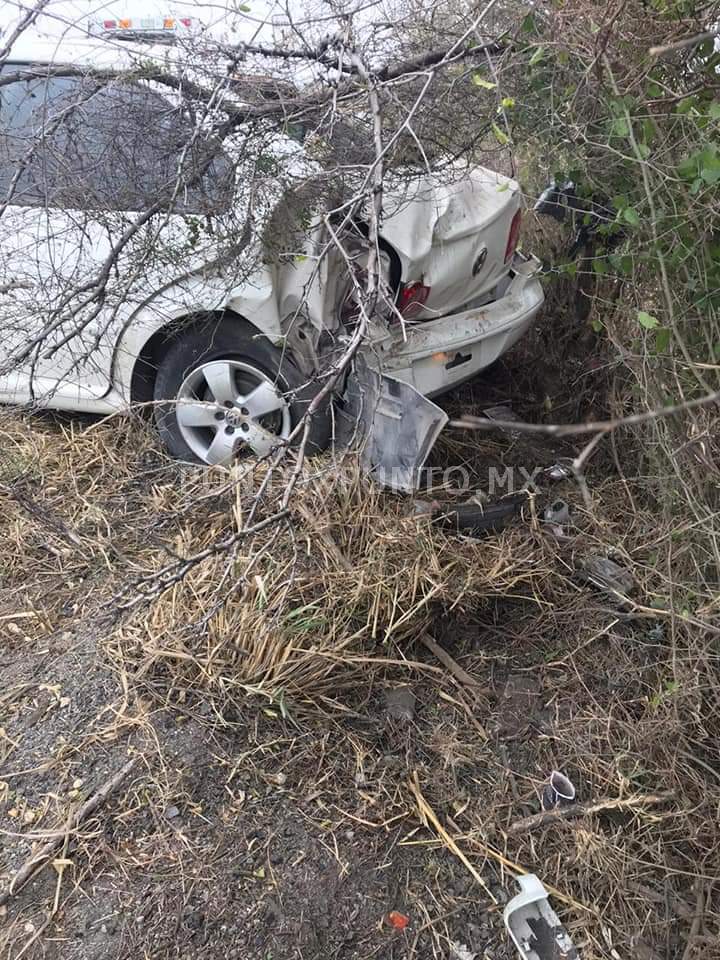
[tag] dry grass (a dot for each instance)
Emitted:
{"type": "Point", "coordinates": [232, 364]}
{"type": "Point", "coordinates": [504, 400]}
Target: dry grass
{"type": "Point", "coordinates": [315, 614]}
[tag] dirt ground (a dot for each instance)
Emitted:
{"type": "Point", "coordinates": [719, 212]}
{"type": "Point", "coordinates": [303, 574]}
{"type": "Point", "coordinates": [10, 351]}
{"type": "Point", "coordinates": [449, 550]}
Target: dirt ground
{"type": "Point", "coordinates": [241, 842]}
{"type": "Point", "coordinates": [287, 826]}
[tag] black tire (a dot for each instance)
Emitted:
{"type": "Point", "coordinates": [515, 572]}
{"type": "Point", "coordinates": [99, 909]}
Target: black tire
{"type": "Point", "coordinates": [232, 338]}
{"type": "Point", "coordinates": [475, 519]}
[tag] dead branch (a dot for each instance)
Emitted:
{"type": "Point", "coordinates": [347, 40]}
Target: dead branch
{"type": "Point", "coordinates": [453, 666]}
{"type": "Point", "coordinates": [41, 513]}
{"type": "Point", "coordinates": [428, 816]}
{"type": "Point", "coordinates": [28, 19]}
{"type": "Point", "coordinates": [548, 817]}
{"type": "Point", "coordinates": [42, 857]}
{"type": "Point", "coordinates": [697, 921]}
{"type": "Point", "coordinates": [594, 426]}
{"type": "Point", "coordinates": [283, 107]}
{"type": "Point", "coordinates": [693, 41]}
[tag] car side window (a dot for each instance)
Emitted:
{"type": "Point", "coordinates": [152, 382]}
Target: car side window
{"type": "Point", "coordinates": [82, 143]}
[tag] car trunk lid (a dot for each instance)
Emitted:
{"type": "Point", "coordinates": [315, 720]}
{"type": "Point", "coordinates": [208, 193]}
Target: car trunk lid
{"type": "Point", "coordinates": [452, 236]}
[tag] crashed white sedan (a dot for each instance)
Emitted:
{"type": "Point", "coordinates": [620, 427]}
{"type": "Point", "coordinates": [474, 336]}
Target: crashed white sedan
{"type": "Point", "coordinates": [103, 306]}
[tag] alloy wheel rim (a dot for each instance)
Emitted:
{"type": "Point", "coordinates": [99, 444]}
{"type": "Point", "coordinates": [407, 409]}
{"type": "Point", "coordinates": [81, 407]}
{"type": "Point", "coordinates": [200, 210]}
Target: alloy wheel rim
{"type": "Point", "coordinates": [228, 407]}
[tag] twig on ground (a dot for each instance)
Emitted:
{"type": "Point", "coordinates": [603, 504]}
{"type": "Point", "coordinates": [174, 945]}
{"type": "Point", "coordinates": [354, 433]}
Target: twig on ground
{"type": "Point", "coordinates": [462, 678]}
{"type": "Point", "coordinates": [41, 858]}
{"type": "Point", "coordinates": [502, 749]}
{"type": "Point", "coordinates": [547, 817]}
{"type": "Point", "coordinates": [35, 937]}
{"type": "Point", "coordinates": [324, 535]}
{"type": "Point", "coordinates": [696, 925]}
{"type": "Point", "coordinates": [41, 513]}
{"type": "Point", "coordinates": [453, 666]}
{"type": "Point", "coordinates": [428, 816]}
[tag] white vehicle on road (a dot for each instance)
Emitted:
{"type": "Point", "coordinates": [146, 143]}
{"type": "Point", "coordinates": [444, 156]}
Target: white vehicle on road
{"type": "Point", "coordinates": [226, 347]}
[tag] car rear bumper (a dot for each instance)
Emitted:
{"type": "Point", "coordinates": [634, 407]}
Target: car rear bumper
{"type": "Point", "coordinates": [436, 355]}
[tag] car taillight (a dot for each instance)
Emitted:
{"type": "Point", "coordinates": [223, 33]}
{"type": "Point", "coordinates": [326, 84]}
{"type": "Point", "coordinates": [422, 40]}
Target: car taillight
{"type": "Point", "coordinates": [411, 298]}
{"type": "Point", "coordinates": [513, 236]}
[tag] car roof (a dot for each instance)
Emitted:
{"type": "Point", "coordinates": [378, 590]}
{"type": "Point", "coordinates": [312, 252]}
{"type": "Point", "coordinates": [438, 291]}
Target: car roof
{"type": "Point", "coordinates": [97, 52]}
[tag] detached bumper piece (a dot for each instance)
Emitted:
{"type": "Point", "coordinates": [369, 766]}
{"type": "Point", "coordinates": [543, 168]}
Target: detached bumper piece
{"type": "Point", "coordinates": [393, 425]}
{"type": "Point", "coordinates": [533, 925]}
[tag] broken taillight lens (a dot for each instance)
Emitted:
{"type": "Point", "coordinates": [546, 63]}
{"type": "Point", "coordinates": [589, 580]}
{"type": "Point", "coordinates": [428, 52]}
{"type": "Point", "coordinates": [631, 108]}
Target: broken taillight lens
{"type": "Point", "coordinates": [411, 298]}
{"type": "Point", "coordinates": [513, 236]}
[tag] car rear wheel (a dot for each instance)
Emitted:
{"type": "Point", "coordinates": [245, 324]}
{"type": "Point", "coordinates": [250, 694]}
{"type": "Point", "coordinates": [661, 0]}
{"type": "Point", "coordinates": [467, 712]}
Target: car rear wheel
{"type": "Point", "coordinates": [224, 391]}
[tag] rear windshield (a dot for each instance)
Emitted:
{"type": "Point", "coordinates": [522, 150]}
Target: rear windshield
{"type": "Point", "coordinates": [81, 143]}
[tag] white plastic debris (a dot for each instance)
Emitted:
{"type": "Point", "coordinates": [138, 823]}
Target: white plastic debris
{"type": "Point", "coordinates": [458, 951]}
{"type": "Point", "coordinates": [533, 925]}
{"type": "Point", "coordinates": [558, 512]}
{"type": "Point", "coordinates": [558, 791]}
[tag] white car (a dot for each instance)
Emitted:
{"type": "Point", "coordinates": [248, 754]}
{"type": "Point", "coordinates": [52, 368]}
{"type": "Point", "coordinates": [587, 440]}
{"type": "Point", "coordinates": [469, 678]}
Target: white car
{"type": "Point", "coordinates": [101, 309]}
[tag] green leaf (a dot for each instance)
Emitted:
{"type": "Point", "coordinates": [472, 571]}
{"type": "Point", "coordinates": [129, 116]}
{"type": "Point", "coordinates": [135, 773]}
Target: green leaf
{"type": "Point", "coordinates": [244, 8]}
{"type": "Point", "coordinates": [623, 264]}
{"type": "Point", "coordinates": [537, 56]}
{"type": "Point", "coordinates": [630, 215]}
{"type": "Point", "coordinates": [704, 164]}
{"type": "Point", "coordinates": [500, 135]}
{"type": "Point", "coordinates": [480, 81]}
{"type": "Point", "coordinates": [688, 168]}
{"type": "Point", "coordinates": [647, 321]}
{"type": "Point", "coordinates": [687, 105]}
{"type": "Point", "coordinates": [662, 339]}
{"type": "Point", "coordinates": [528, 24]}
{"type": "Point", "coordinates": [619, 127]}
{"type": "Point", "coordinates": [710, 168]}
{"type": "Point", "coordinates": [649, 131]}
{"type": "Point", "coordinates": [508, 102]}
{"type": "Point", "coordinates": [714, 111]}
{"type": "Point", "coordinates": [659, 603]}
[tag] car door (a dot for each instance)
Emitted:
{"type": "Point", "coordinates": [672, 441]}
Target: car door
{"type": "Point", "coordinates": [48, 249]}
{"type": "Point", "coordinates": [82, 159]}
{"type": "Point", "coordinates": [20, 280]}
